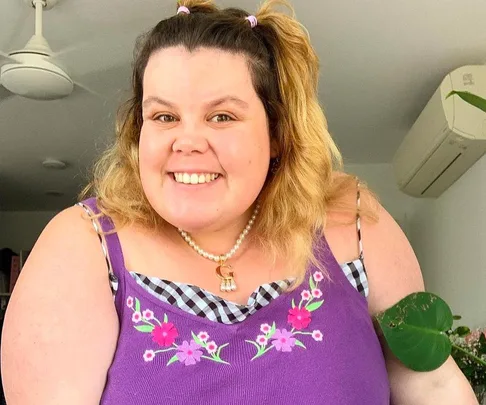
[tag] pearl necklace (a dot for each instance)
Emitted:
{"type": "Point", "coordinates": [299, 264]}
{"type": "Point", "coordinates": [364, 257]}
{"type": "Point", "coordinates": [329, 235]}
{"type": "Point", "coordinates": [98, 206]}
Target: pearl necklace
{"type": "Point", "coordinates": [223, 271]}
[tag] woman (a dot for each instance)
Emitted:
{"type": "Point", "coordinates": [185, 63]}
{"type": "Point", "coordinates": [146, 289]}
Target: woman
{"type": "Point", "coordinates": [230, 239]}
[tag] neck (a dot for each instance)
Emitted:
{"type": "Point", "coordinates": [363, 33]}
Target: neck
{"type": "Point", "coordinates": [221, 241]}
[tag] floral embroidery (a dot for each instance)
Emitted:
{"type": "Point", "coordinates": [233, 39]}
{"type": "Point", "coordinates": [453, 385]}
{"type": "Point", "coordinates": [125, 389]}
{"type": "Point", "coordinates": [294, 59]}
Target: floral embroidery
{"type": "Point", "coordinates": [165, 334]}
{"type": "Point", "coordinates": [299, 317]}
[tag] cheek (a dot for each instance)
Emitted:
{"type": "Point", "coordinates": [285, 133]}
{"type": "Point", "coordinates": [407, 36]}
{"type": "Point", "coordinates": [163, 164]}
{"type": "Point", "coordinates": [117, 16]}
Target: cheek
{"type": "Point", "coordinates": [152, 151]}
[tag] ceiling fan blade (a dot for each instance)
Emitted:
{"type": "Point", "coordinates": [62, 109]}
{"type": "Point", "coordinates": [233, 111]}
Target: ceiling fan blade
{"type": "Point", "coordinates": [78, 87]}
{"type": "Point", "coordinates": [4, 58]}
{"type": "Point", "coordinates": [4, 93]}
{"type": "Point", "coordinates": [94, 55]}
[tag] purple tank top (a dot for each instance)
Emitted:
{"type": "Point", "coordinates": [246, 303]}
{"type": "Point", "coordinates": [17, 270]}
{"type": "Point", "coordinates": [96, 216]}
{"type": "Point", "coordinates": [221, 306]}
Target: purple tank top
{"type": "Point", "coordinates": [314, 345]}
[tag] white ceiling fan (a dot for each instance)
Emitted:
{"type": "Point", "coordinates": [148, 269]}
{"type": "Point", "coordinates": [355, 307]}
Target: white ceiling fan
{"type": "Point", "coordinates": [34, 71]}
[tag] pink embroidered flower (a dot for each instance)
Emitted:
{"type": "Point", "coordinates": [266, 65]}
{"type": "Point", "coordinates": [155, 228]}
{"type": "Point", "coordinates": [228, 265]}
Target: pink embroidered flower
{"type": "Point", "coordinates": [306, 295]}
{"type": "Point", "coordinates": [148, 315]}
{"type": "Point", "coordinates": [189, 353]}
{"type": "Point", "coordinates": [318, 276]}
{"type": "Point", "coordinates": [130, 302]}
{"type": "Point", "coordinates": [262, 340]}
{"type": "Point", "coordinates": [149, 355]}
{"type": "Point", "coordinates": [136, 317]}
{"type": "Point", "coordinates": [317, 335]}
{"type": "Point", "coordinates": [203, 336]}
{"type": "Point", "coordinates": [316, 293]}
{"type": "Point", "coordinates": [283, 340]}
{"type": "Point", "coordinates": [211, 347]}
{"type": "Point", "coordinates": [265, 328]}
{"type": "Point", "coordinates": [165, 334]}
{"type": "Point", "coordinates": [299, 318]}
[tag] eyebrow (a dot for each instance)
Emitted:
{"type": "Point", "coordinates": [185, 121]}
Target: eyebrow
{"type": "Point", "coordinates": [215, 103]}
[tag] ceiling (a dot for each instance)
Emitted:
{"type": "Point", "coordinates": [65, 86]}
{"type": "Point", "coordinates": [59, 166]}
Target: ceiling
{"type": "Point", "coordinates": [381, 61]}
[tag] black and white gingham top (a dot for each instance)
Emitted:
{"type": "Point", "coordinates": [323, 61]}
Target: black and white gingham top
{"type": "Point", "coordinates": [200, 302]}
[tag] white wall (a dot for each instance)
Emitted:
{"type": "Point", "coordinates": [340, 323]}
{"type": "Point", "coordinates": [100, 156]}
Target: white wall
{"type": "Point", "coordinates": [379, 178]}
{"type": "Point", "coordinates": [20, 229]}
{"type": "Point", "coordinates": [449, 237]}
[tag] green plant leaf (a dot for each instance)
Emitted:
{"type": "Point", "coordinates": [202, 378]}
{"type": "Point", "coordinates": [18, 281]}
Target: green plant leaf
{"type": "Point", "coordinates": [457, 317]}
{"type": "Point", "coordinates": [299, 343]}
{"type": "Point", "coordinates": [166, 319]}
{"type": "Point", "coordinates": [414, 330]}
{"type": "Point", "coordinates": [470, 98]}
{"type": "Point", "coordinates": [312, 285]}
{"type": "Point", "coordinates": [293, 303]}
{"type": "Point", "coordinates": [137, 305]}
{"type": "Point", "coordinates": [145, 328]}
{"type": "Point", "coordinates": [462, 331]}
{"type": "Point", "coordinates": [172, 360]}
{"type": "Point", "coordinates": [314, 306]}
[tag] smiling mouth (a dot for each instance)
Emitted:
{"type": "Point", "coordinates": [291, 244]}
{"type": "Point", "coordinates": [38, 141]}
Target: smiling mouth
{"type": "Point", "coordinates": [195, 178]}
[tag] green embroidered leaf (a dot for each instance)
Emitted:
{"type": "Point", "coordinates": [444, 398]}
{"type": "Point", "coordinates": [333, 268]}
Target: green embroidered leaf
{"type": "Point", "coordinates": [314, 306]}
{"type": "Point", "coordinates": [145, 328]}
{"type": "Point", "coordinates": [293, 303]}
{"type": "Point", "coordinates": [137, 305]}
{"type": "Point", "coordinates": [166, 319]}
{"type": "Point", "coordinates": [470, 98]}
{"type": "Point", "coordinates": [272, 331]}
{"type": "Point", "coordinates": [300, 344]}
{"type": "Point", "coordinates": [172, 360]}
{"type": "Point", "coordinates": [312, 285]}
{"type": "Point", "coordinates": [197, 340]}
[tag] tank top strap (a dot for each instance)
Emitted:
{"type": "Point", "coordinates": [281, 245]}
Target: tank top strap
{"type": "Point", "coordinates": [109, 241]}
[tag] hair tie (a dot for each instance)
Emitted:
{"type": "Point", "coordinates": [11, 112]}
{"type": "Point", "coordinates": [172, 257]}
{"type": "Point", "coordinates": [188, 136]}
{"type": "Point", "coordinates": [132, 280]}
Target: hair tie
{"type": "Point", "coordinates": [183, 9]}
{"type": "Point", "coordinates": [253, 20]}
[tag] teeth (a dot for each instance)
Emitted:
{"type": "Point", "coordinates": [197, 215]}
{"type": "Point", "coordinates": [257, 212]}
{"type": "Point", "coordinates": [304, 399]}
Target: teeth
{"type": "Point", "coordinates": [195, 178]}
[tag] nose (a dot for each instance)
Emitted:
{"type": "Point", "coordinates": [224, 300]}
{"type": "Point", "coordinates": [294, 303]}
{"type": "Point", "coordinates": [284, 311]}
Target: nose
{"type": "Point", "coordinates": [188, 143]}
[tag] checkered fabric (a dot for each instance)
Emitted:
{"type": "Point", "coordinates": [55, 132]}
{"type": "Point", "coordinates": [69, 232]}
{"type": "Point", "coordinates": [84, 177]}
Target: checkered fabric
{"type": "Point", "coordinates": [197, 301]}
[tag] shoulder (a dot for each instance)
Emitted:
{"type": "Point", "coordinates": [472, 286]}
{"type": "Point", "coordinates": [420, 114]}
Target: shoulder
{"type": "Point", "coordinates": [391, 265]}
{"type": "Point", "coordinates": [392, 268]}
{"type": "Point", "coordinates": [60, 323]}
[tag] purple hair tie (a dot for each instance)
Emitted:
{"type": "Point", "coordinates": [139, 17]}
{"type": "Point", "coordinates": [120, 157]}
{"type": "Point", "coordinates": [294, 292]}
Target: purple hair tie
{"type": "Point", "coordinates": [183, 9]}
{"type": "Point", "coordinates": [253, 20]}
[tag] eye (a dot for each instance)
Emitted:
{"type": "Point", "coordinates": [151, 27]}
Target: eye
{"type": "Point", "coordinates": [165, 118]}
{"type": "Point", "coordinates": [222, 118]}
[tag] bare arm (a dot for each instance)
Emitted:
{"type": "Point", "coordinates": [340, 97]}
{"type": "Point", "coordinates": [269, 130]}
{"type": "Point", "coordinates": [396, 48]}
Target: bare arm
{"type": "Point", "coordinates": [393, 273]}
{"type": "Point", "coordinates": [61, 327]}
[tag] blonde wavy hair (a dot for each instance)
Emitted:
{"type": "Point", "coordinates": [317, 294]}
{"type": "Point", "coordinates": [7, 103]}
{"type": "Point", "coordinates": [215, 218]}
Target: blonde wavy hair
{"type": "Point", "coordinates": [296, 199]}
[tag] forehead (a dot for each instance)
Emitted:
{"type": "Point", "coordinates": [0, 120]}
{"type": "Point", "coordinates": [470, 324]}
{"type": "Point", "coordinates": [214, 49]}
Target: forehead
{"type": "Point", "coordinates": [205, 72]}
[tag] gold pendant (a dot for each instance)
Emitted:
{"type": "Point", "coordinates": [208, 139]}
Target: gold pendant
{"type": "Point", "coordinates": [223, 271]}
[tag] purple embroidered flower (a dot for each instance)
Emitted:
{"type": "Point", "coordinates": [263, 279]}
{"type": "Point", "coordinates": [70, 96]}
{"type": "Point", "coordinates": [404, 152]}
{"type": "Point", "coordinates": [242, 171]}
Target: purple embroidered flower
{"type": "Point", "coordinates": [316, 293]}
{"type": "Point", "coordinates": [148, 315]}
{"type": "Point", "coordinates": [136, 317]}
{"type": "Point", "coordinates": [265, 328]}
{"type": "Point", "coordinates": [189, 353]}
{"type": "Point", "coordinates": [299, 318]}
{"type": "Point", "coordinates": [165, 334]}
{"type": "Point", "coordinates": [262, 340]}
{"type": "Point", "coordinates": [306, 295]}
{"type": "Point", "coordinates": [317, 335]}
{"type": "Point", "coordinates": [211, 347]}
{"type": "Point", "coordinates": [283, 340]}
{"type": "Point", "coordinates": [203, 336]}
{"type": "Point", "coordinates": [130, 302]}
{"type": "Point", "coordinates": [149, 355]}
{"type": "Point", "coordinates": [318, 276]}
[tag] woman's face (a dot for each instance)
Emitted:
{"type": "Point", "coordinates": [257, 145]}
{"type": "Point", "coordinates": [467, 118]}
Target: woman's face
{"type": "Point", "coordinates": [204, 146]}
